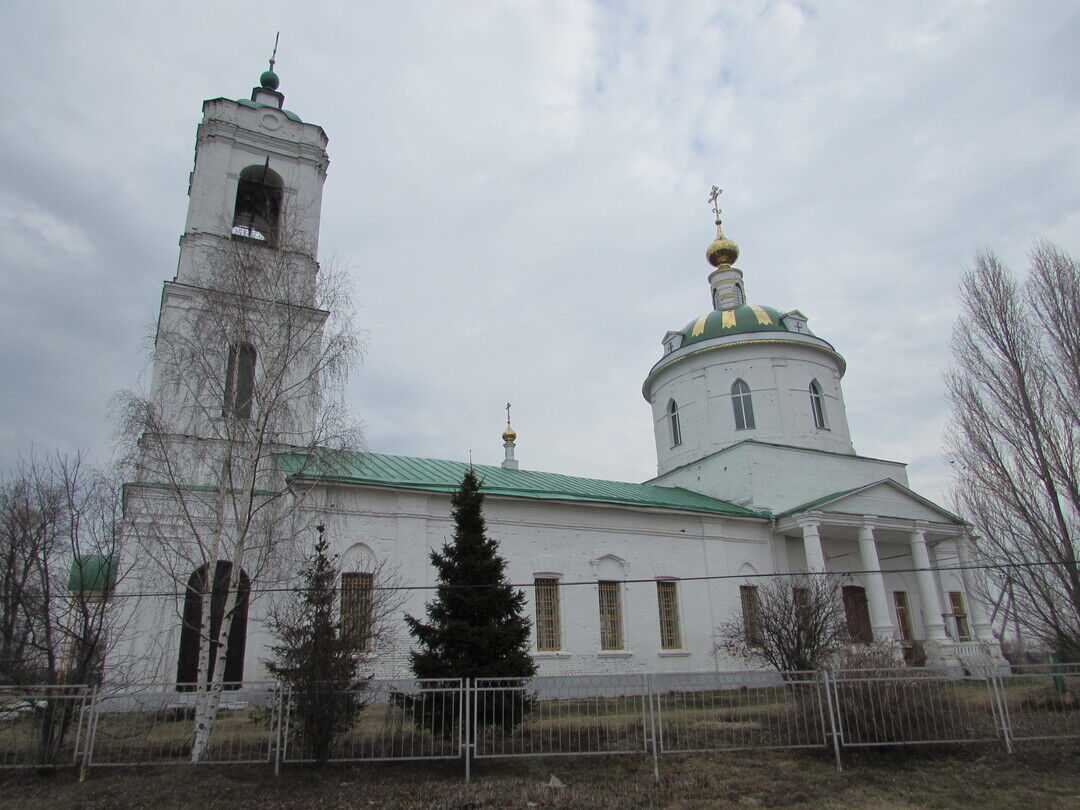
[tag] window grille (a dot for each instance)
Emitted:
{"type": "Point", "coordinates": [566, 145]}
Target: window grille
{"type": "Point", "coordinates": [667, 601]}
{"type": "Point", "coordinates": [751, 611]}
{"type": "Point", "coordinates": [743, 405]}
{"type": "Point", "coordinates": [548, 631]}
{"type": "Point", "coordinates": [611, 636]}
{"type": "Point", "coordinates": [356, 599]}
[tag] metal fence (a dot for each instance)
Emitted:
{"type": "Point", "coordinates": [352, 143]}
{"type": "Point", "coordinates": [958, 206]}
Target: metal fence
{"type": "Point", "coordinates": [378, 720]}
{"type": "Point", "coordinates": [646, 715]}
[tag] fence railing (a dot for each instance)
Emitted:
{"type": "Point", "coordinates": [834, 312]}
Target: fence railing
{"type": "Point", "coordinates": [572, 715]}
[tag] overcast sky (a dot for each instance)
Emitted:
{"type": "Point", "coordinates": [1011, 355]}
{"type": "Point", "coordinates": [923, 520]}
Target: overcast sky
{"type": "Point", "coordinates": [519, 190]}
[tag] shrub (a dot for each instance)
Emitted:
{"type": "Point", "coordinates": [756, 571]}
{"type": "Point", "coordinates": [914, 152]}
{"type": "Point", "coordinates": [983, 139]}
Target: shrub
{"type": "Point", "coordinates": [878, 701]}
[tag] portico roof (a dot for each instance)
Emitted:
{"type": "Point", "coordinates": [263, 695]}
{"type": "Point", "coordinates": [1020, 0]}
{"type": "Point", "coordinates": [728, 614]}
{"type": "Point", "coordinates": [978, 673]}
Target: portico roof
{"type": "Point", "coordinates": [835, 497]}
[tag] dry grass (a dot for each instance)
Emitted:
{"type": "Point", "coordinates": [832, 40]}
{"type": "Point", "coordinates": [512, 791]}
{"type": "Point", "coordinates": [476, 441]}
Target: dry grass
{"type": "Point", "coordinates": [1045, 777]}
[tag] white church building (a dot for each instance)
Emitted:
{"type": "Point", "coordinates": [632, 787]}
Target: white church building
{"type": "Point", "coordinates": [756, 473]}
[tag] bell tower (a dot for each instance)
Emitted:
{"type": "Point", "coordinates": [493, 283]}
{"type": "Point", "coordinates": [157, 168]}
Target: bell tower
{"type": "Point", "coordinates": [258, 175]}
{"type": "Point", "coordinates": [244, 300]}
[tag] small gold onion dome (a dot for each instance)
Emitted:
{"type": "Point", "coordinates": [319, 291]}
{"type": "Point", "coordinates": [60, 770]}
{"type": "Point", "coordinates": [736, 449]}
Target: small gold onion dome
{"type": "Point", "coordinates": [509, 436]}
{"type": "Point", "coordinates": [722, 250]}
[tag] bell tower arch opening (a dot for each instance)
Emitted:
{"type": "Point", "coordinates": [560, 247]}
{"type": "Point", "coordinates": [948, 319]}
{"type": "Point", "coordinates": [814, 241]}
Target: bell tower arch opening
{"type": "Point", "coordinates": [260, 193]}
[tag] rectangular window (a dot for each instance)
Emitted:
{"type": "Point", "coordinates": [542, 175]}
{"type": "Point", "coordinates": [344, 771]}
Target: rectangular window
{"type": "Point", "coordinates": [356, 597]}
{"type": "Point", "coordinates": [548, 631]}
{"type": "Point", "coordinates": [239, 381]}
{"type": "Point", "coordinates": [751, 613]}
{"type": "Point", "coordinates": [903, 615]}
{"type": "Point", "coordinates": [610, 615]}
{"type": "Point", "coordinates": [956, 604]}
{"type": "Point", "coordinates": [668, 603]}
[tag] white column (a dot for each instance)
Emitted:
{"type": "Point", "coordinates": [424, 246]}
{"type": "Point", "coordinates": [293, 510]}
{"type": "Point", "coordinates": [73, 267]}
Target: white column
{"type": "Point", "coordinates": [815, 557]}
{"type": "Point", "coordinates": [980, 625]}
{"type": "Point", "coordinates": [880, 619]}
{"type": "Point", "coordinates": [933, 624]}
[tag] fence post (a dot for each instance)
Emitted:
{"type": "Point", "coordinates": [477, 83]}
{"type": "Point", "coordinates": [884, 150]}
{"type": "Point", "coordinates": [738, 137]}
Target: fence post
{"type": "Point", "coordinates": [1003, 709]}
{"type": "Point", "coordinates": [833, 717]}
{"type": "Point", "coordinates": [91, 733]}
{"type": "Point", "coordinates": [279, 711]}
{"type": "Point", "coordinates": [467, 726]}
{"type": "Point", "coordinates": [653, 711]}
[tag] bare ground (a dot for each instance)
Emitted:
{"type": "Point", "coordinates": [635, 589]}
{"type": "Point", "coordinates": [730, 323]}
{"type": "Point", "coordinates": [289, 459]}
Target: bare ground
{"type": "Point", "coordinates": [1043, 777]}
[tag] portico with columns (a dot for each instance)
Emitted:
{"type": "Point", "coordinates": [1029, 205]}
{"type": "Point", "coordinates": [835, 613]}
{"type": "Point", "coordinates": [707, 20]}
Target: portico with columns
{"type": "Point", "coordinates": [907, 556]}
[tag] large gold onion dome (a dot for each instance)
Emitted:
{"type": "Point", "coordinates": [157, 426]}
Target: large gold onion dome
{"type": "Point", "coordinates": [722, 250]}
{"type": "Point", "coordinates": [509, 436]}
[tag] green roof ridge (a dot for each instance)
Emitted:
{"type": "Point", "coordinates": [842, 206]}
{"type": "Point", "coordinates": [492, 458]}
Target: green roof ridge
{"type": "Point", "coordinates": [440, 475]}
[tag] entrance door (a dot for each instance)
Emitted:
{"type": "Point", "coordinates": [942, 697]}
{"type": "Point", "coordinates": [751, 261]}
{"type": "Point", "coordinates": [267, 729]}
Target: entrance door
{"type": "Point", "coordinates": [858, 614]}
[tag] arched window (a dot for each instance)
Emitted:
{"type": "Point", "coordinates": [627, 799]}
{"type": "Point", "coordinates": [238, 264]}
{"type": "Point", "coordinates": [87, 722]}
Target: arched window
{"type": "Point", "coordinates": [743, 405]}
{"type": "Point", "coordinates": [259, 193]}
{"type": "Point", "coordinates": [187, 667]}
{"type": "Point", "coordinates": [239, 381]}
{"type": "Point", "coordinates": [817, 405]}
{"type": "Point", "coordinates": [676, 426]}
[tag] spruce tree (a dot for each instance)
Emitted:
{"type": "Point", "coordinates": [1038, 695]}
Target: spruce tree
{"type": "Point", "coordinates": [315, 659]}
{"type": "Point", "coordinates": [475, 625]}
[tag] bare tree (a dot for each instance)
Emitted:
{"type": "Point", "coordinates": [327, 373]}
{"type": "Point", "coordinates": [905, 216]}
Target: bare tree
{"type": "Point", "coordinates": [793, 623]}
{"type": "Point", "coordinates": [60, 564]}
{"type": "Point", "coordinates": [1015, 436]}
{"type": "Point", "coordinates": [249, 363]}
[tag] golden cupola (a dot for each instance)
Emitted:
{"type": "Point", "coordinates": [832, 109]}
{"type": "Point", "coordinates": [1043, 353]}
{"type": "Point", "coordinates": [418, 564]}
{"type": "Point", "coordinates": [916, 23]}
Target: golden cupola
{"type": "Point", "coordinates": [722, 251]}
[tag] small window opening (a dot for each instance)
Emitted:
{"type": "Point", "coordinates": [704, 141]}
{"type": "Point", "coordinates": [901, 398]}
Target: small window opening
{"type": "Point", "coordinates": [751, 615]}
{"type": "Point", "coordinates": [668, 604]}
{"type": "Point", "coordinates": [743, 405]}
{"type": "Point", "coordinates": [259, 194]}
{"type": "Point", "coordinates": [548, 631]}
{"type": "Point", "coordinates": [611, 637]}
{"type": "Point", "coordinates": [817, 405]}
{"type": "Point", "coordinates": [903, 615]}
{"type": "Point", "coordinates": [239, 381]}
{"type": "Point", "coordinates": [676, 424]}
{"type": "Point", "coordinates": [959, 616]}
{"type": "Point", "coordinates": [356, 609]}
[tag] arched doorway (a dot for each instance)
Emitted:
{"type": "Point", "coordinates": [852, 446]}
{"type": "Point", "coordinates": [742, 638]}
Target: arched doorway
{"type": "Point", "coordinates": [187, 667]}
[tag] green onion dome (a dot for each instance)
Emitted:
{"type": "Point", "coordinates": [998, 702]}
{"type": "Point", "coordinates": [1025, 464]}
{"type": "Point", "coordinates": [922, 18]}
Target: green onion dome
{"type": "Point", "coordinates": [740, 320]}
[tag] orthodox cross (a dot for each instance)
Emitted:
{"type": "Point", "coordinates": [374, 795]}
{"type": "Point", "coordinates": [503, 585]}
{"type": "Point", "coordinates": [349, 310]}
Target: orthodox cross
{"type": "Point", "coordinates": [714, 198]}
{"type": "Point", "coordinates": [273, 56]}
{"type": "Point", "coordinates": [508, 414]}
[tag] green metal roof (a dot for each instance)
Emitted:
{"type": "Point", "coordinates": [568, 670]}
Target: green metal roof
{"type": "Point", "coordinates": [740, 320]}
{"type": "Point", "coordinates": [435, 475]}
{"type": "Point", "coordinates": [247, 102]}
{"type": "Point", "coordinates": [92, 573]}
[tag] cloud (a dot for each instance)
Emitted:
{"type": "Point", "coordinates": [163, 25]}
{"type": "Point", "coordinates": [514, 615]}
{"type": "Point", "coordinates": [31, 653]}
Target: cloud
{"type": "Point", "coordinates": [519, 190]}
